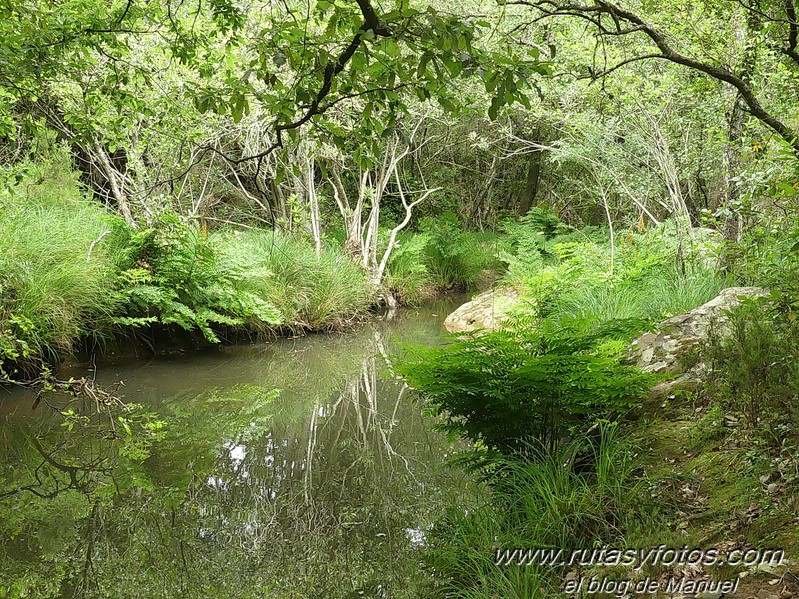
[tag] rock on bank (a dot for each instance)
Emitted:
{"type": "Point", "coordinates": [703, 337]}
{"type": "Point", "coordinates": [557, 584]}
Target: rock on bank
{"type": "Point", "coordinates": [485, 311]}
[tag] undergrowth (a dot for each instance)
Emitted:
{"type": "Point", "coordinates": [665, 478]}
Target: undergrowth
{"type": "Point", "coordinates": [453, 257]}
{"type": "Point", "coordinates": [172, 274]}
{"type": "Point", "coordinates": [441, 257]}
{"type": "Point", "coordinates": [532, 400]}
{"type": "Point", "coordinates": [57, 268]}
{"type": "Point", "coordinates": [510, 388]}
{"type": "Point", "coordinates": [584, 495]}
{"type": "Point", "coordinates": [648, 275]}
{"type": "Point", "coordinates": [69, 270]}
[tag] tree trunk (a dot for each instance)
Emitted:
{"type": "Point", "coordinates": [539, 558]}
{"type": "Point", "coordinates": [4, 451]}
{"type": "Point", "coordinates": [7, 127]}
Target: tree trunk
{"type": "Point", "coordinates": [115, 181]}
{"type": "Point", "coordinates": [732, 158]}
{"type": "Point", "coordinates": [530, 190]}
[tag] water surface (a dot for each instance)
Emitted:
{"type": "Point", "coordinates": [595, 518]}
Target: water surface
{"type": "Point", "coordinates": [298, 468]}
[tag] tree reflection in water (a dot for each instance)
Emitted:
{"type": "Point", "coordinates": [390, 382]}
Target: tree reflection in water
{"type": "Point", "coordinates": [321, 491]}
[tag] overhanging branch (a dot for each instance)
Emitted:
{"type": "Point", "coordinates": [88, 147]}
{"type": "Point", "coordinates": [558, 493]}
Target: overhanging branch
{"type": "Point", "coordinates": [371, 22]}
{"type": "Point", "coordinates": [626, 22]}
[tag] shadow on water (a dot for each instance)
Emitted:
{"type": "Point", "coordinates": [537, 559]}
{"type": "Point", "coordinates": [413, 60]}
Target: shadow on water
{"type": "Point", "coordinates": [322, 488]}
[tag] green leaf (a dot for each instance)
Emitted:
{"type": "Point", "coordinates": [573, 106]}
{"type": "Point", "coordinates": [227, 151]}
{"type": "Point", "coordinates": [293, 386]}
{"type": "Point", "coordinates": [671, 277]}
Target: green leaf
{"type": "Point", "coordinates": [239, 106]}
{"type": "Point", "coordinates": [392, 48]}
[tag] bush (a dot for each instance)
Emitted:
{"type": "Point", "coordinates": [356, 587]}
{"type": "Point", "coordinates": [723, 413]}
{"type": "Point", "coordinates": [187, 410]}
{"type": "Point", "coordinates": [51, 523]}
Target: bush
{"type": "Point", "coordinates": [529, 243]}
{"type": "Point", "coordinates": [68, 270]}
{"type": "Point", "coordinates": [408, 277]}
{"type": "Point", "coordinates": [754, 365]}
{"type": "Point", "coordinates": [642, 278]}
{"type": "Point", "coordinates": [509, 389]}
{"type": "Point", "coordinates": [768, 256]}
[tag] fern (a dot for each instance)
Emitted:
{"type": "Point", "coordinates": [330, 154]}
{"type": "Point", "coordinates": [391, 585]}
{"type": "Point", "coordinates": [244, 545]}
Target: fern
{"type": "Point", "coordinates": [408, 275]}
{"type": "Point", "coordinates": [509, 388]}
{"type": "Point", "coordinates": [531, 243]}
{"type": "Point", "coordinates": [174, 277]}
{"type": "Point", "coordinates": [451, 255]}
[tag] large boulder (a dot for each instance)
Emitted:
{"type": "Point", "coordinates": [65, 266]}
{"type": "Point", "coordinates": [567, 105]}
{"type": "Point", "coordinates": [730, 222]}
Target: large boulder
{"type": "Point", "coordinates": [674, 345]}
{"type": "Point", "coordinates": [485, 311]}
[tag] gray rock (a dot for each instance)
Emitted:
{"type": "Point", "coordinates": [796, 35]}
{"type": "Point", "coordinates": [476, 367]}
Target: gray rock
{"type": "Point", "coordinates": [668, 350]}
{"type": "Point", "coordinates": [485, 311]}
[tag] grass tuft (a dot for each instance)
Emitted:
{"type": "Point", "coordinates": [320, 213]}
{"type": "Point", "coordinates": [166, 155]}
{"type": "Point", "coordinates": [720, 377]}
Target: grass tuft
{"type": "Point", "coordinates": [311, 293]}
{"type": "Point", "coordinates": [57, 269]}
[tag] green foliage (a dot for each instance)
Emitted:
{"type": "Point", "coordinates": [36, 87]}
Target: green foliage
{"type": "Point", "coordinates": [768, 256]}
{"type": "Point", "coordinates": [754, 361]}
{"type": "Point", "coordinates": [441, 257]}
{"type": "Point", "coordinates": [408, 276]}
{"type": "Point", "coordinates": [643, 277]}
{"type": "Point", "coordinates": [711, 426]}
{"type": "Point", "coordinates": [506, 389]}
{"type": "Point", "coordinates": [529, 243]}
{"type": "Point", "coordinates": [412, 45]}
{"type": "Point", "coordinates": [308, 291]}
{"type": "Point", "coordinates": [69, 270]}
{"type": "Point", "coordinates": [661, 293]}
{"type": "Point", "coordinates": [585, 495]}
{"type": "Point", "coordinates": [57, 267]}
{"type": "Point", "coordinates": [171, 274]}
{"type": "Point", "coordinates": [452, 256]}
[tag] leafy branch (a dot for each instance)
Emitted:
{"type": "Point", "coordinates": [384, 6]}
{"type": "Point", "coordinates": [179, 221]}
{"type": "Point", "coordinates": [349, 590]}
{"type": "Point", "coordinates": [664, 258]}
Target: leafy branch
{"type": "Point", "coordinates": [625, 22]}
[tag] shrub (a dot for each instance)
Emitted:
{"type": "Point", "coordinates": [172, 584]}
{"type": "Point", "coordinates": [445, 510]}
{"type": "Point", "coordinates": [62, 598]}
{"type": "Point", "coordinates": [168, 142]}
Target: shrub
{"type": "Point", "coordinates": [641, 278]}
{"type": "Point", "coordinates": [768, 256]}
{"type": "Point", "coordinates": [508, 389]}
{"type": "Point", "coordinates": [754, 364]}
{"type": "Point", "coordinates": [408, 277]}
{"type": "Point", "coordinates": [68, 269]}
{"type": "Point", "coordinates": [529, 244]}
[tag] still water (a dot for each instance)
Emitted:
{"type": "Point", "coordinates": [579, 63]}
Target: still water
{"type": "Point", "coordinates": [297, 468]}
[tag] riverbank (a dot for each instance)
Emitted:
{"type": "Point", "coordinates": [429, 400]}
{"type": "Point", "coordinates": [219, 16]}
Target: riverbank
{"type": "Point", "coordinates": [72, 273]}
{"type": "Point", "coordinates": [581, 451]}
{"type": "Point", "coordinates": [75, 278]}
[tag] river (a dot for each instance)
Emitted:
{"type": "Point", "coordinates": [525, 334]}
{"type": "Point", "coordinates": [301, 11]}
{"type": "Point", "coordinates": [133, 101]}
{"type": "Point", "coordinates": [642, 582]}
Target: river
{"type": "Point", "coordinates": [297, 468]}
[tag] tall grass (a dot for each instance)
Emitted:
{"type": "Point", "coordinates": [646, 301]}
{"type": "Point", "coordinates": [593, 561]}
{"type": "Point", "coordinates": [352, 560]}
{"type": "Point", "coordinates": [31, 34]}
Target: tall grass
{"type": "Point", "coordinates": [583, 496]}
{"type": "Point", "coordinates": [310, 292]}
{"type": "Point", "coordinates": [661, 293]}
{"type": "Point", "coordinates": [57, 266]}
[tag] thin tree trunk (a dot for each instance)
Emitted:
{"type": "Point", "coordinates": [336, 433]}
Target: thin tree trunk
{"type": "Point", "coordinates": [530, 190]}
{"type": "Point", "coordinates": [732, 167]}
{"type": "Point", "coordinates": [113, 178]}
{"type": "Point", "coordinates": [732, 150]}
